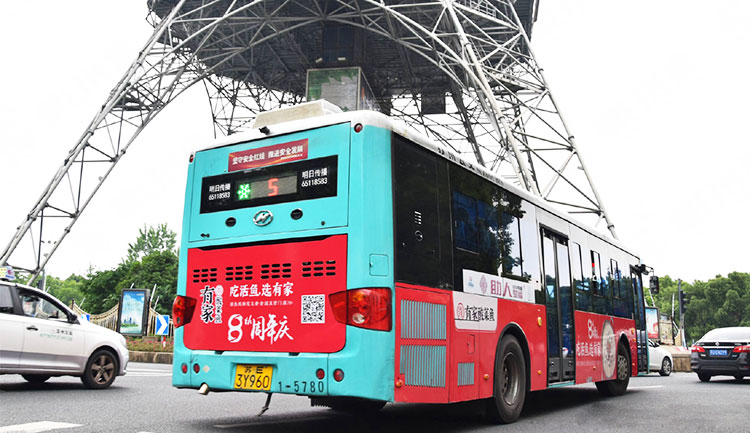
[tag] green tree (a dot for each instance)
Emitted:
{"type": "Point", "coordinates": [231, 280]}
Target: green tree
{"type": "Point", "coordinates": [716, 303]}
{"type": "Point", "coordinates": [156, 269]}
{"type": "Point", "coordinates": [719, 302]}
{"type": "Point", "coordinates": [151, 261]}
{"type": "Point", "coordinates": [67, 290]}
{"type": "Point", "coordinates": [151, 240]}
{"type": "Point", "coordinates": [103, 288]}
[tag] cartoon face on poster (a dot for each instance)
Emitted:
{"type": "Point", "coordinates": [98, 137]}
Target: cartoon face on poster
{"type": "Point", "coordinates": [609, 349]}
{"type": "Point", "coordinates": [133, 304]}
{"type": "Point", "coordinates": [596, 347]}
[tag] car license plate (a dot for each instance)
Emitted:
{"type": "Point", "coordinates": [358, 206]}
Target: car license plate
{"type": "Point", "coordinates": [253, 377]}
{"type": "Point", "coordinates": [717, 352]}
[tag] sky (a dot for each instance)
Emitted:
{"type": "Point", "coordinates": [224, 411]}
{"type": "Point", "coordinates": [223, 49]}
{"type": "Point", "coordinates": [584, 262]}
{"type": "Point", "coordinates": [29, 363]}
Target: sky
{"type": "Point", "coordinates": [656, 94]}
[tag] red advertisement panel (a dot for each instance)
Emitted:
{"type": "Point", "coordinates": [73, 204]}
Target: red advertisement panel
{"type": "Point", "coordinates": [267, 298]}
{"type": "Point", "coordinates": [597, 337]}
{"type": "Point", "coordinates": [269, 155]}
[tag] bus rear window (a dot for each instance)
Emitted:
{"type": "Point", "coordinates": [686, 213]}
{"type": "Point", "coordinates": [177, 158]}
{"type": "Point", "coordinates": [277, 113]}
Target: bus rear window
{"type": "Point", "coordinates": [303, 180]}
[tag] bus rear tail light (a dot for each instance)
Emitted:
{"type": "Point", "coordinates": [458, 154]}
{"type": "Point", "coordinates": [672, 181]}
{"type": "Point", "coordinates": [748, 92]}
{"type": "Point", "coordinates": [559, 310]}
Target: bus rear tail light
{"type": "Point", "coordinates": [182, 310]}
{"type": "Point", "coordinates": [338, 375]}
{"type": "Point", "coordinates": [741, 349]}
{"type": "Point", "coordinates": [698, 349]}
{"type": "Point", "coordinates": [363, 308]}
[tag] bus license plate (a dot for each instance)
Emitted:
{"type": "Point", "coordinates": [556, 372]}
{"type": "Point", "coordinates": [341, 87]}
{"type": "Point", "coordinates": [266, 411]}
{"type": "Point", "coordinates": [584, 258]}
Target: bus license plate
{"type": "Point", "coordinates": [253, 377]}
{"type": "Point", "coordinates": [717, 352]}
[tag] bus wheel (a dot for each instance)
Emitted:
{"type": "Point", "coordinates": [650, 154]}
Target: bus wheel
{"type": "Point", "coordinates": [619, 385]}
{"type": "Point", "coordinates": [509, 383]}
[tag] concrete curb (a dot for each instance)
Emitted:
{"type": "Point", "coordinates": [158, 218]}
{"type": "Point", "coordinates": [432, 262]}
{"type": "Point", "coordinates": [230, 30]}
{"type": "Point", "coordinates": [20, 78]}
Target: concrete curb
{"type": "Point", "coordinates": [152, 357]}
{"type": "Point", "coordinates": [680, 356]}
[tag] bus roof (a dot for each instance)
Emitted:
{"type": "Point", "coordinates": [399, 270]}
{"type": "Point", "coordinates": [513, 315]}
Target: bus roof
{"type": "Point", "coordinates": [377, 119]}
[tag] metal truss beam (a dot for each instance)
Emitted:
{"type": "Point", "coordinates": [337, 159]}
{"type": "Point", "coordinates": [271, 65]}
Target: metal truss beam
{"type": "Point", "coordinates": [252, 56]}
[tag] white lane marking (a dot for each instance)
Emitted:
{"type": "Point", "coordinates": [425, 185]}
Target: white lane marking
{"type": "Point", "coordinates": [148, 374]}
{"type": "Point", "coordinates": [151, 370]}
{"type": "Point", "coordinates": [36, 427]}
{"type": "Point", "coordinates": [646, 387]}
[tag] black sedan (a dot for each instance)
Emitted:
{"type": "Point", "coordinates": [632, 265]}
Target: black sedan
{"type": "Point", "coordinates": [722, 352]}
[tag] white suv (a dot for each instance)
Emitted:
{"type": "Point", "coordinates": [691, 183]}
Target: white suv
{"type": "Point", "coordinates": [41, 338]}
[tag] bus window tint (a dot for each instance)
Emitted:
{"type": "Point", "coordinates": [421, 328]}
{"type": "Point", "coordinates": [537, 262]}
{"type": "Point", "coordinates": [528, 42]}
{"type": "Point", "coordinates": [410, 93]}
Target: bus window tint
{"type": "Point", "coordinates": [595, 278]}
{"type": "Point", "coordinates": [598, 285]}
{"type": "Point", "coordinates": [487, 228]}
{"type": "Point", "coordinates": [511, 245]}
{"type": "Point", "coordinates": [583, 295]}
{"type": "Point", "coordinates": [529, 242]}
{"type": "Point", "coordinates": [418, 229]}
{"type": "Point", "coordinates": [620, 301]}
{"type": "Point", "coordinates": [476, 224]}
{"type": "Point", "coordinates": [511, 236]}
{"type": "Point", "coordinates": [464, 220]}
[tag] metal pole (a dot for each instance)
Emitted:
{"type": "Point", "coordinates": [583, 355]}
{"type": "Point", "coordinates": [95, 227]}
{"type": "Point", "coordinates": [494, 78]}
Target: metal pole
{"type": "Point", "coordinates": [682, 313]}
{"type": "Point", "coordinates": [672, 315]}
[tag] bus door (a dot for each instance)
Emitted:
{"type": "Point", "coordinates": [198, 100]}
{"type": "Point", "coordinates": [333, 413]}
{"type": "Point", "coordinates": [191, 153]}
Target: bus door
{"type": "Point", "coordinates": [640, 319]}
{"type": "Point", "coordinates": [559, 294]}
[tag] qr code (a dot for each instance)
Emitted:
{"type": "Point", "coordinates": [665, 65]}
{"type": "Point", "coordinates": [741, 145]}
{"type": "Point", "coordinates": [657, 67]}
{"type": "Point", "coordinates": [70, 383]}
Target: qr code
{"type": "Point", "coordinates": [313, 308]}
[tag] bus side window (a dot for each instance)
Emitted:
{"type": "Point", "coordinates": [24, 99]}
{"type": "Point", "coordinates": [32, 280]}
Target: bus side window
{"type": "Point", "coordinates": [598, 285]}
{"type": "Point", "coordinates": [511, 236]}
{"type": "Point", "coordinates": [417, 222]}
{"type": "Point", "coordinates": [621, 302]}
{"type": "Point", "coordinates": [529, 243]}
{"type": "Point", "coordinates": [595, 273]}
{"type": "Point", "coordinates": [583, 295]}
{"type": "Point", "coordinates": [512, 239]}
{"type": "Point", "coordinates": [476, 224]}
{"type": "Point", "coordinates": [464, 222]}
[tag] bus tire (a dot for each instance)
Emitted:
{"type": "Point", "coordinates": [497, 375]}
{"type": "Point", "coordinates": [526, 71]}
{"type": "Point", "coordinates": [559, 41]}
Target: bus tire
{"type": "Point", "coordinates": [619, 385]}
{"type": "Point", "coordinates": [509, 387]}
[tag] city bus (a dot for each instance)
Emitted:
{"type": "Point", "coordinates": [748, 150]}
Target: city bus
{"type": "Point", "coordinates": [348, 259]}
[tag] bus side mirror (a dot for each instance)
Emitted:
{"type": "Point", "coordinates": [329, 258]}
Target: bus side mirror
{"type": "Point", "coordinates": [653, 282]}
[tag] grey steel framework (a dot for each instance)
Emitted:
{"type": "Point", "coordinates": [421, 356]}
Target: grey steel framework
{"type": "Point", "coordinates": [459, 71]}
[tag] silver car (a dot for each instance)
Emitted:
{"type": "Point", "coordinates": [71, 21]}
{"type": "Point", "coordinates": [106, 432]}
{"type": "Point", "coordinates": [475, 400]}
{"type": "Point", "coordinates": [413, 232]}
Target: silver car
{"type": "Point", "coordinates": [40, 338]}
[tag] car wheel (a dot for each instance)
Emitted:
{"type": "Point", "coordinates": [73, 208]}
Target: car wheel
{"type": "Point", "coordinates": [619, 385]}
{"type": "Point", "coordinates": [510, 382]}
{"type": "Point", "coordinates": [101, 370]}
{"type": "Point", "coordinates": [666, 367]}
{"type": "Point", "coordinates": [36, 378]}
{"type": "Point", "coordinates": [704, 377]}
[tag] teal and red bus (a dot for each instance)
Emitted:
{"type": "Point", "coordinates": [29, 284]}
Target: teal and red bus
{"type": "Point", "coordinates": [348, 259]}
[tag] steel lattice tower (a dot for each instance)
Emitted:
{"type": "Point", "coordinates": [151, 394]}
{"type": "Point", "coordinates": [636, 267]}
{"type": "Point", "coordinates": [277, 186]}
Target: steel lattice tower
{"type": "Point", "coordinates": [459, 71]}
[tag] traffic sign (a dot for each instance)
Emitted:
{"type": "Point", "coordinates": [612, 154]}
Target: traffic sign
{"type": "Point", "coordinates": [162, 325]}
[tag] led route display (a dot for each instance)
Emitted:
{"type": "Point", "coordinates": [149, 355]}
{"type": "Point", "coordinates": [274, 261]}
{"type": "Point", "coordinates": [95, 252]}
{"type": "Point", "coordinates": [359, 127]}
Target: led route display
{"type": "Point", "coordinates": [303, 180]}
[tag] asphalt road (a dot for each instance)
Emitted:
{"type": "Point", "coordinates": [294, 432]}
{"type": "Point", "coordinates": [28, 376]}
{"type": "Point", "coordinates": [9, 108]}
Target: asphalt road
{"type": "Point", "coordinates": [144, 401]}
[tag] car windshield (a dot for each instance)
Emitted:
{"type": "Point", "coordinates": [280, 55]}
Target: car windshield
{"type": "Point", "coordinates": [728, 334]}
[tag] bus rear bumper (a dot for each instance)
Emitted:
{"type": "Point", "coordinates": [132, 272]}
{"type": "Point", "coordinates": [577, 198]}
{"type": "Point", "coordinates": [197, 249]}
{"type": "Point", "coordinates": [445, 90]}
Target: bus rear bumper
{"type": "Point", "coordinates": [365, 375]}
